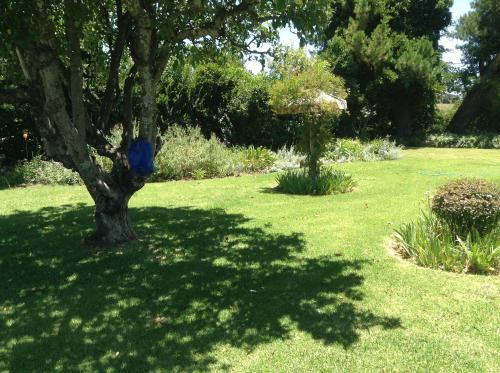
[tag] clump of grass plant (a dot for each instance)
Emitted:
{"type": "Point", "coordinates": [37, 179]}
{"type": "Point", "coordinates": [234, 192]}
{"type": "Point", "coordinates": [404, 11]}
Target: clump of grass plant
{"type": "Point", "coordinates": [330, 181]}
{"type": "Point", "coordinates": [430, 241]}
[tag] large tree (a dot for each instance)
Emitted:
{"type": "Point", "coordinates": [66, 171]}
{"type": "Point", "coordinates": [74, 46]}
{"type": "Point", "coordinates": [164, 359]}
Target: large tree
{"type": "Point", "coordinates": [387, 52]}
{"type": "Point", "coordinates": [88, 64]}
{"type": "Point", "coordinates": [479, 30]}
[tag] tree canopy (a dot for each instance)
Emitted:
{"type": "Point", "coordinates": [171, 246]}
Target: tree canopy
{"type": "Point", "coordinates": [87, 65]}
{"type": "Point", "coordinates": [387, 52]}
{"type": "Point", "coordinates": [480, 31]}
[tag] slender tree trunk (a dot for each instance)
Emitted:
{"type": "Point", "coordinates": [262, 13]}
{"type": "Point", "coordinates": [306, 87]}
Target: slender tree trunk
{"type": "Point", "coordinates": [313, 157]}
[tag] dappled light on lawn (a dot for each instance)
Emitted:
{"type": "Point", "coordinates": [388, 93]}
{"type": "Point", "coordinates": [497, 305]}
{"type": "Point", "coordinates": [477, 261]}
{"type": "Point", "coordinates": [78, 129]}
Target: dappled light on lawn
{"type": "Point", "coordinates": [197, 279]}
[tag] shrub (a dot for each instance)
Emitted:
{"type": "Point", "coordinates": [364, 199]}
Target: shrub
{"type": "Point", "coordinates": [287, 158]}
{"type": "Point", "coordinates": [345, 150]}
{"type": "Point", "coordinates": [495, 142]}
{"type": "Point", "coordinates": [39, 171]}
{"type": "Point", "coordinates": [256, 159]}
{"type": "Point", "coordinates": [349, 150]}
{"type": "Point", "coordinates": [329, 181]}
{"type": "Point", "coordinates": [467, 205]}
{"type": "Point", "coordinates": [186, 153]}
{"type": "Point", "coordinates": [451, 140]}
{"type": "Point", "coordinates": [430, 242]}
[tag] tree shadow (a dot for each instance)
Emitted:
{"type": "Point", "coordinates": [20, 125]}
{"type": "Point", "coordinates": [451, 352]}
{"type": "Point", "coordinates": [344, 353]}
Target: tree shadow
{"type": "Point", "coordinates": [200, 279]}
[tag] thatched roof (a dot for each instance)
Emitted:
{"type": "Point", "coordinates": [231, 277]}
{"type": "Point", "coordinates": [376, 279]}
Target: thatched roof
{"type": "Point", "coordinates": [321, 101]}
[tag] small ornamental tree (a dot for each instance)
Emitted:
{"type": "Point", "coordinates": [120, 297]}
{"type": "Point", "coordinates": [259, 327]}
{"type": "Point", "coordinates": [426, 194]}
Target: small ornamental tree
{"type": "Point", "coordinates": [310, 90]}
{"type": "Point", "coordinates": [88, 65]}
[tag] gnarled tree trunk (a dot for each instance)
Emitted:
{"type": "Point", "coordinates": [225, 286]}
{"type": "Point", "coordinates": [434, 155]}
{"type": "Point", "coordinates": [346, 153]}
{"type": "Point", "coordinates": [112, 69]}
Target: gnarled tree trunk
{"type": "Point", "coordinates": [113, 223]}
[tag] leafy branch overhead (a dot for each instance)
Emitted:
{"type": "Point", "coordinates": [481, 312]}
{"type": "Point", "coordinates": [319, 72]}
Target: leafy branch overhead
{"type": "Point", "coordinates": [85, 66]}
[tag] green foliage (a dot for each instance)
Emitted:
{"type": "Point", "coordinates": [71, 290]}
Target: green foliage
{"type": "Point", "coordinates": [468, 205]}
{"type": "Point", "coordinates": [287, 158]}
{"type": "Point", "coordinates": [444, 114]}
{"type": "Point", "coordinates": [257, 159]}
{"type": "Point", "coordinates": [329, 181]}
{"type": "Point", "coordinates": [301, 81]}
{"type": "Point", "coordinates": [186, 152]}
{"type": "Point", "coordinates": [348, 150]}
{"type": "Point", "coordinates": [38, 171]}
{"type": "Point", "coordinates": [382, 149]}
{"type": "Point", "coordinates": [345, 150]}
{"type": "Point", "coordinates": [480, 32]}
{"type": "Point", "coordinates": [387, 53]}
{"type": "Point", "coordinates": [305, 88]}
{"type": "Point", "coordinates": [431, 243]}
{"type": "Point", "coordinates": [451, 140]}
{"type": "Point", "coordinates": [222, 98]}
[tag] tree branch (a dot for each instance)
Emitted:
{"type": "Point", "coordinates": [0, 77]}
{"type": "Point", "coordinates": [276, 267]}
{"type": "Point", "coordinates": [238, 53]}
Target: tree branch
{"type": "Point", "coordinates": [76, 70]}
{"type": "Point", "coordinates": [109, 96]}
{"type": "Point", "coordinates": [214, 28]}
{"type": "Point", "coordinates": [128, 104]}
{"type": "Point", "coordinates": [142, 54]}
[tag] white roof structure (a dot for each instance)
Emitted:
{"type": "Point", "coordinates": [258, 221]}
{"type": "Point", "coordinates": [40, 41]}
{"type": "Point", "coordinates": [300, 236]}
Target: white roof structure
{"type": "Point", "coordinates": [323, 99]}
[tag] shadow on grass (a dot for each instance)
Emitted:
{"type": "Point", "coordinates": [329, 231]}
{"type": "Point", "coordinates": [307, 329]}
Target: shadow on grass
{"type": "Point", "coordinates": [198, 281]}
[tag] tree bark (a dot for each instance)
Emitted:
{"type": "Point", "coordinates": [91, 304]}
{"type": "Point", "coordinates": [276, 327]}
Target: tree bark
{"type": "Point", "coordinates": [113, 223]}
{"type": "Point", "coordinates": [313, 157]}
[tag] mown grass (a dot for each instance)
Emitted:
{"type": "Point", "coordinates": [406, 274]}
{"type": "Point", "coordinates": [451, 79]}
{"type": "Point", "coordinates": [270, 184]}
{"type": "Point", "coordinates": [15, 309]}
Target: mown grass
{"type": "Point", "coordinates": [230, 276]}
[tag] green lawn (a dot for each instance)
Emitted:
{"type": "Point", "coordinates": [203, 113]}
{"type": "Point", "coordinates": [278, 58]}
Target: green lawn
{"type": "Point", "coordinates": [231, 276]}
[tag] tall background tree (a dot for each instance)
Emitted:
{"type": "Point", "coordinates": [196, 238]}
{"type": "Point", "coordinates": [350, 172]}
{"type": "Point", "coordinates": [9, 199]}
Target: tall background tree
{"type": "Point", "coordinates": [87, 64]}
{"type": "Point", "coordinates": [480, 32]}
{"type": "Point", "coordinates": [387, 52]}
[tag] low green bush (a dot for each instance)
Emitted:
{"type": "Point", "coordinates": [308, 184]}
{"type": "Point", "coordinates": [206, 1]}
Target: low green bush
{"type": "Point", "coordinates": [186, 153]}
{"type": "Point", "coordinates": [256, 159]}
{"type": "Point", "coordinates": [330, 181]}
{"type": "Point", "coordinates": [383, 149]}
{"type": "Point", "coordinates": [349, 150]}
{"type": "Point", "coordinates": [286, 159]}
{"type": "Point", "coordinates": [468, 205]}
{"type": "Point", "coordinates": [451, 140]}
{"type": "Point", "coordinates": [429, 242]}
{"type": "Point", "coordinates": [345, 150]}
{"type": "Point", "coordinates": [38, 171]}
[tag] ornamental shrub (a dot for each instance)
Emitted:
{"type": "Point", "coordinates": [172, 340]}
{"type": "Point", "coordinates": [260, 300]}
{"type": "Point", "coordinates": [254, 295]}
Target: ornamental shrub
{"type": "Point", "coordinates": [349, 150]}
{"type": "Point", "coordinates": [429, 242]}
{"type": "Point", "coordinates": [467, 205]}
{"type": "Point", "coordinates": [451, 140]}
{"type": "Point", "coordinates": [256, 159]}
{"type": "Point", "coordinates": [38, 171]}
